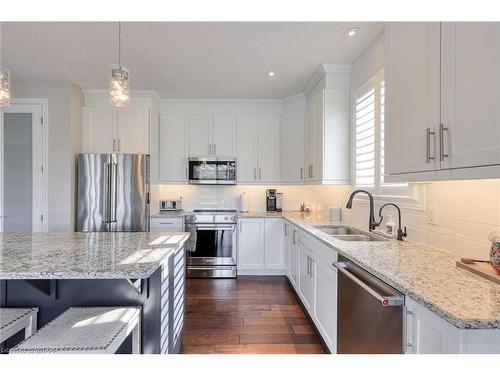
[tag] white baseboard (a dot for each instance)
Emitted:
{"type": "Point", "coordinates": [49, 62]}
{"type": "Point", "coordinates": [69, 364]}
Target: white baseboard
{"type": "Point", "coordinates": [260, 272]}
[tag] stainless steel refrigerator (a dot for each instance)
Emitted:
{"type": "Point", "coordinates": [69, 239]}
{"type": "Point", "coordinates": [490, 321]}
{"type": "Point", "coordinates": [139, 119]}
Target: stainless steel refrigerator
{"type": "Point", "coordinates": [113, 193]}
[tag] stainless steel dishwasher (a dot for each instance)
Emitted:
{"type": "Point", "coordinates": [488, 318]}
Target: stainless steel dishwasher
{"type": "Point", "coordinates": [370, 316]}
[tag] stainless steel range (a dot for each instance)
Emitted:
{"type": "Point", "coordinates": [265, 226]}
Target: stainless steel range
{"type": "Point", "coordinates": [212, 252]}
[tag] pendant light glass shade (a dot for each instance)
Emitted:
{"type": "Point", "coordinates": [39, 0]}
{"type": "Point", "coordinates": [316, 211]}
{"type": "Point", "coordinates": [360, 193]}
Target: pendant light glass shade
{"type": "Point", "coordinates": [4, 87]}
{"type": "Point", "coordinates": [119, 92]}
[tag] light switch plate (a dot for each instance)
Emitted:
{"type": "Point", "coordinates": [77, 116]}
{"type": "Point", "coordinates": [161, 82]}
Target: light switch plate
{"type": "Point", "coordinates": [432, 215]}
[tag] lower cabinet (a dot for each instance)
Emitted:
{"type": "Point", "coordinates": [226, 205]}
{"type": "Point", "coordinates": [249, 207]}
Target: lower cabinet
{"type": "Point", "coordinates": [325, 301]}
{"type": "Point", "coordinates": [286, 246]}
{"type": "Point", "coordinates": [306, 278]}
{"type": "Point", "coordinates": [160, 224]}
{"type": "Point", "coordinates": [260, 246]}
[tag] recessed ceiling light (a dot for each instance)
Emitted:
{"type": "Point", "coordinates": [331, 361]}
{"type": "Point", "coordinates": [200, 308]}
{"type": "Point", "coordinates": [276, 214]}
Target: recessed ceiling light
{"type": "Point", "coordinates": [352, 31]}
{"type": "Point", "coordinates": [271, 74]}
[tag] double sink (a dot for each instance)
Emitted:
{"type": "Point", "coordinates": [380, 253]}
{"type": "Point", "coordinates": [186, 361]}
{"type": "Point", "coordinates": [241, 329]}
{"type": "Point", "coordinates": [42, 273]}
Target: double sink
{"type": "Point", "coordinates": [345, 233]}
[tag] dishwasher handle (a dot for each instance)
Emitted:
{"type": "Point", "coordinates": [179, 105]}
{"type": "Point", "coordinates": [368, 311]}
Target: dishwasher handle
{"type": "Point", "coordinates": [384, 300]}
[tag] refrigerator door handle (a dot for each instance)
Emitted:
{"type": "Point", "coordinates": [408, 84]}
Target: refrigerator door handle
{"type": "Point", "coordinates": [112, 195]}
{"type": "Point", "coordinates": [105, 198]}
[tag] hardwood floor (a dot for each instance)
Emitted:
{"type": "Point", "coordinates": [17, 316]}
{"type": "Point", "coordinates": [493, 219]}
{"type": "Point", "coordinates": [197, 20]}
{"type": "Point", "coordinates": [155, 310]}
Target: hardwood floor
{"type": "Point", "coordinates": [250, 314]}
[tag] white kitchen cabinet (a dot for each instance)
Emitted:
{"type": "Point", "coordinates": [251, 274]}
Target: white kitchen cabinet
{"type": "Point", "coordinates": [125, 130]}
{"type": "Point", "coordinates": [224, 136]}
{"type": "Point", "coordinates": [412, 96]}
{"type": "Point", "coordinates": [293, 270]}
{"type": "Point", "coordinates": [442, 93]}
{"type": "Point", "coordinates": [258, 149]}
{"type": "Point", "coordinates": [99, 124]}
{"type": "Point", "coordinates": [268, 150]}
{"type": "Point", "coordinates": [273, 259]}
{"type": "Point", "coordinates": [292, 148]}
{"type": "Point", "coordinates": [286, 246]}
{"type": "Point", "coordinates": [427, 333]}
{"type": "Point", "coordinates": [200, 143]}
{"type": "Point", "coordinates": [251, 244]}
{"type": "Point", "coordinates": [327, 134]}
{"type": "Point", "coordinates": [306, 277]}
{"type": "Point", "coordinates": [167, 224]}
{"type": "Point", "coordinates": [247, 148]}
{"type": "Point", "coordinates": [325, 300]}
{"type": "Point", "coordinates": [470, 89]}
{"type": "Point", "coordinates": [173, 148]}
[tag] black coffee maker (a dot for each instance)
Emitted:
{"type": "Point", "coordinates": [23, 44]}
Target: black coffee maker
{"type": "Point", "coordinates": [273, 200]}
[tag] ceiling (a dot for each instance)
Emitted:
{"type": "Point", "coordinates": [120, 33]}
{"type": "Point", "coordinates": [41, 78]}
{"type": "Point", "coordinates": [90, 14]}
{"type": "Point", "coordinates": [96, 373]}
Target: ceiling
{"type": "Point", "coordinates": [184, 59]}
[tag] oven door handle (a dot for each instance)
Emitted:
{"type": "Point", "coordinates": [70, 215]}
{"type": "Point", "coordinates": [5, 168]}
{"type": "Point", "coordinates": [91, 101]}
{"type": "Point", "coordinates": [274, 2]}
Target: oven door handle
{"type": "Point", "coordinates": [215, 227]}
{"type": "Point", "coordinates": [385, 300]}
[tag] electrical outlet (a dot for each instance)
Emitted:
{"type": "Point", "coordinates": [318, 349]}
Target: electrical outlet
{"type": "Point", "coordinates": [432, 215]}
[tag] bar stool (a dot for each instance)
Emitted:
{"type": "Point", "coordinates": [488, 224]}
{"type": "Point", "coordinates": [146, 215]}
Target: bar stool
{"type": "Point", "coordinates": [86, 330]}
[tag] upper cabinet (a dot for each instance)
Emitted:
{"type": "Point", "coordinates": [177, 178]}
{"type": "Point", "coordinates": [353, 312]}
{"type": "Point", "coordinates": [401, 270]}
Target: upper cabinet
{"type": "Point", "coordinates": [443, 90]}
{"type": "Point", "coordinates": [258, 148]}
{"type": "Point", "coordinates": [173, 148]}
{"type": "Point", "coordinates": [106, 129]}
{"type": "Point", "coordinates": [212, 136]}
{"type": "Point", "coordinates": [327, 126]}
{"type": "Point", "coordinates": [412, 96]}
{"type": "Point", "coordinates": [292, 141]}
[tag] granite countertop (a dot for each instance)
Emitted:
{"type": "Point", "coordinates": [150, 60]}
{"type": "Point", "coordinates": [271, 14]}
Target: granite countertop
{"type": "Point", "coordinates": [83, 255]}
{"type": "Point", "coordinates": [169, 214]}
{"type": "Point", "coordinates": [425, 274]}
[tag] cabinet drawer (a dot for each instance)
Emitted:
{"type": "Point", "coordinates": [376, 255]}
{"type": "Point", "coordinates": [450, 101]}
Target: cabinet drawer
{"type": "Point", "coordinates": [167, 224]}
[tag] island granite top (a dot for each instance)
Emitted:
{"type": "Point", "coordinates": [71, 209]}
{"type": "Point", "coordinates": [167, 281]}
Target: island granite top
{"type": "Point", "coordinates": [423, 273]}
{"type": "Point", "coordinates": [85, 255]}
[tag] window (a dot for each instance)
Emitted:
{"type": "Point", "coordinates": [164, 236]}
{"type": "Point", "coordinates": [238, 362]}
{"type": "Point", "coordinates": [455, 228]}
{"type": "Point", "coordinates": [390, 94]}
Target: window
{"type": "Point", "coordinates": [369, 110]}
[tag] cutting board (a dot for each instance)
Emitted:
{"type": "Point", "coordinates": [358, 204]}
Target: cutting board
{"type": "Point", "coordinates": [481, 269]}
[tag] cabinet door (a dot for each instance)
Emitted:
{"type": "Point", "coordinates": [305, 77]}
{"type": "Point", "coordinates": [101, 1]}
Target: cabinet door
{"type": "Point", "coordinates": [273, 258]}
{"type": "Point", "coordinates": [166, 224]}
{"type": "Point", "coordinates": [292, 148]}
{"type": "Point", "coordinates": [286, 248]}
{"type": "Point", "coordinates": [224, 136]}
{"type": "Point", "coordinates": [251, 244]}
{"type": "Point", "coordinates": [247, 148]}
{"type": "Point", "coordinates": [309, 143]}
{"type": "Point", "coordinates": [412, 96]}
{"type": "Point", "coordinates": [306, 272]}
{"type": "Point", "coordinates": [317, 166]}
{"type": "Point", "coordinates": [293, 271]}
{"type": "Point", "coordinates": [200, 142]}
{"type": "Point", "coordinates": [98, 130]}
{"type": "Point", "coordinates": [173, 148]}
{"type": "Point", "coordinates": [325, 302]}
{"type": "Point", "coordinates": [470, 94]}
{"type": "Point", "coordinates": [427, 333]}
{"type": "Point", "coordinates": [268, 149]}
{"type": "Point", "coordinates": [133, 131]}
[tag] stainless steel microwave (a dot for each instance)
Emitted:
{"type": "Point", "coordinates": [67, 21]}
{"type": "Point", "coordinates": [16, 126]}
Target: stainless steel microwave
{"type": "Point", "coordinates": [212, 171]}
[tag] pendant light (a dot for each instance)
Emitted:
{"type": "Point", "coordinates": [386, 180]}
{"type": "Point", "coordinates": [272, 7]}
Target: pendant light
{"type": "Point", "coordinates": [119, 91]}
{"type": "Point", "coordinates": [4, 79]}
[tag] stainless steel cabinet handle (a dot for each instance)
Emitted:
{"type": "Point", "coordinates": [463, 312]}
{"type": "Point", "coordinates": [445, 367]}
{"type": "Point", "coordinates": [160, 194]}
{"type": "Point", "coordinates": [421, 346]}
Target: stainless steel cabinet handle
{"type": "Point", "coordinates": [119, 145]}
{"type": "Point", "coordinates": [105, 198]}
{"type": "Point", "coordinates": [113, 189]}
{"type": "Point", "coordinates": [114, 144]}
{"type": "Point", "coordinates": [286, 230]}
{"type": "Point", "coordinates": [301, 173]}
{"type": "Point", "coordinates": [406, 328]}
{"type": "Point", "coordinates": [215, 149]}
{"type": "Point", "coordinates": [294, 240]}
{"type": "Point", "coordinates": [241, 226]}
{"type": "Point", "coordinates": [385, 300]}
{"type": "Point", "coordinates": [255, 173]}
{"type": "Point", "coordinates": [442, 129]}
{"type": "Point", "coordinates": [312, 267]}
{"type": "Point", "coordinates": [209, 149]}
{"type": "Point", "coordinates": [428, 156]}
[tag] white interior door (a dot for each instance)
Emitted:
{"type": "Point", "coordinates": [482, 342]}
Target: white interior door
{"type": "Point", "coordinates": [21, 175]}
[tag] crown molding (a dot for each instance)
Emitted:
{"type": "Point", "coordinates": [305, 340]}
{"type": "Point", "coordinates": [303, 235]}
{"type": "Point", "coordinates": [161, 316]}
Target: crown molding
{"type": "Point", "coordinates": [219, 101]}
{"type": "Point", "coordinates": [134, 93]}
{"type": "Point", "coordinates": [324, 69]}
{"type": "Point", "coordinates": [293, 98]}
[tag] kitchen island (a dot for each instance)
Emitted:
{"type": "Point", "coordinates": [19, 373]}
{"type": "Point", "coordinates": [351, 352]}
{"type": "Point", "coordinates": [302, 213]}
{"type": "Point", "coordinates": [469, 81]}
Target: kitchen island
{"type": "Point", "coordinates": [55, 271]}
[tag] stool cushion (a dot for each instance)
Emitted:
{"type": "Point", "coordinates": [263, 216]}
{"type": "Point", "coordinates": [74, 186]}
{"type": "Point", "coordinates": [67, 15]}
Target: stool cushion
{"type": "Point", "coordinates": [81, 329]}
{"type": "Point", "coordinates": [10, 316]}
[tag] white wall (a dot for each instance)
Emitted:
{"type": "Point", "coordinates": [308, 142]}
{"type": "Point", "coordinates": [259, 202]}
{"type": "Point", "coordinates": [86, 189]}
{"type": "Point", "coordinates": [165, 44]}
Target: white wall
{"type": "Point", "coordinates": [64, 122]}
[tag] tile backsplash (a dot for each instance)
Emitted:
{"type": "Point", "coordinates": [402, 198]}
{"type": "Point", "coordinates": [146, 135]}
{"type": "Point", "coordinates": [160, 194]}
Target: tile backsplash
{"type": "Point", "coordinates": [467, 211]}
